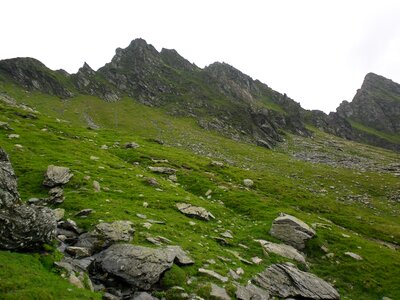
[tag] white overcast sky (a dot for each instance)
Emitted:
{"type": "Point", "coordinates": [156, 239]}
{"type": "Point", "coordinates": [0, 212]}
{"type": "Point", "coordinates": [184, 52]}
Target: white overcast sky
{"type": "Point", "coordinates": [316, 51]}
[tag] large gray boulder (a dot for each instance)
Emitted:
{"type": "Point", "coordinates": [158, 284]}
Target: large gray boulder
{"type": "Point", "coordinates": [291, 231]}
{"type": "Point", "coordinates": [21, 226]}
{"type": "Point", "coordinates": [56, 176]}
{"type": "Point", "coordinates": [285, 280]}
{"type": "Point", "coordinates": [106, 234]}
{"type": "Point", "coordinates": [137, 266]}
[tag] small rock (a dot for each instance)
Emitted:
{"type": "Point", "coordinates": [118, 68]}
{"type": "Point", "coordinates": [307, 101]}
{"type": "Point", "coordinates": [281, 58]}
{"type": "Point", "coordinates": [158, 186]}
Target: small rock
{"type": "Point", "coordinates": [96, 186]}
{"type": "Point", "coordinates": [56, 195]}
{"type": "Point", "coordinates": [75, 281]}
{"type": "Point", "coordinates": [248, 182]}
{"type": "Point", "coordinates": [213, 274]}
{"type": "Point", "coordinates": [217, 163]}
{"type": "Point", "coordinates": [256, 260]}
{"type": "Point", "coordinates": [353, 255]}
{"type": "Point", "coordinates": [163, 170]}
{"type": "Point", "coordinates": [131, 145]}
{"type": "Point", "coordinates": [59, 213]}
{"type": "Point", "coordinates": [84, 212]}
{"type": "Point", "coordinates": [77, 251]}
{"type": "Point", "coordinates": [19, 146]}
{"type": "Point", "coordinates": [104, 147]}
{"type": "Point", "coordinates": [208, 193]}
{"type": "Point", "coordinates": [56, 176]}
{"type": "Point", "coordinates": [94, 158]}
{"type": "Point", "coordinates": [147, 225]}
{"type": "Point", "coordinates": [145, 204]}
{"type": "Point", "coordinates": [227, 234]}
{"type": "Point", "coordinates": [13, 136]}
{"type": "Point", "coordinates": [194, 211]}
{"type": "Point", "coordinates": [173, 178]}
{"type": "Point", "coordinates": [345, 235]}
{"type": "Point", "coordinates": [152, 182]}
{"type": "Point", "coordinates": [141, 216]}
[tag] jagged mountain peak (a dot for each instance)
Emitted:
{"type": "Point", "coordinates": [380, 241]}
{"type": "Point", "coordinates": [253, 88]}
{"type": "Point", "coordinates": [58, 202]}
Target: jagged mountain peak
{"type": "Point", "coordinates": [172, 58]}
{"type": "Point", "coordinates": [86, 69]}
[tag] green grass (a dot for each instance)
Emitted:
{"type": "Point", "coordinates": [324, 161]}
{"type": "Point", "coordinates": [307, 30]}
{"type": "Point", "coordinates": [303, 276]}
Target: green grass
{"type": "Point", "coordinates": [394, 138]}
{"type": "Point", "coordinates": [282, 184]}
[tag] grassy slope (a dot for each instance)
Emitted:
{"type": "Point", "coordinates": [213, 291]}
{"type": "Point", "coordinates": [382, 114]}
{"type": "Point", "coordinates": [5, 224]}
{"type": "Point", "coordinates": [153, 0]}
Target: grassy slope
{"type": "Point", "coordinates": [281, 184]}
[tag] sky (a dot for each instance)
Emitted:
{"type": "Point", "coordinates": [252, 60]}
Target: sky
{"type": "Point", "coordinates": [315, 51]}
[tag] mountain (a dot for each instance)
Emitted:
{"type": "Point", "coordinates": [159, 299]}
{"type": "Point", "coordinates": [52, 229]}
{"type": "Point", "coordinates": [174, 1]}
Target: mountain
{"type": "Point", "coordinates": [145, 179]}
{"type": "Point", "coordinates": [219, 97]}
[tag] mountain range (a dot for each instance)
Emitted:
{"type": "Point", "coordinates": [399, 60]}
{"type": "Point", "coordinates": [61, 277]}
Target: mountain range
{"type": "Point", "coordinates": [219, 96]}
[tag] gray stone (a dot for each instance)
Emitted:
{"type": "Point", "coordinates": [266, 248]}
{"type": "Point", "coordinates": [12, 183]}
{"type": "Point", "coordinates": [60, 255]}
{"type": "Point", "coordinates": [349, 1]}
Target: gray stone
{"type": "Point", "coordinates": [219, 292]}
{"type": "Point", "coordinates": [96, 186]}
{"type": "Point", "coordinates": [248, 182]}
{"type": "Point", "coordinates": [353, 255]}
{"type": "Point", "coordinates": [59, 213]}
{"type": "Point", "coordinates": [163, 170]}
{"type": "Point", "coordinates": [138, 266]}
{"type": "Point", "coordinates": [285, 280]}
{"type": "Point", "coordinates": [75, 281]}
{"type": "Point", "coordinates": [21, 226]}
{"type": "Point", "coordinates": [213, 274]}
{"type": "Point", "coordinates": [194, 211]}
{"type": "Point", "coordinates": [283, 250]}
{"type": "Point", "coordinates": [77, 251]}
{"type": "Point", "coordinates": [291, 231]}
{"type": "Point", "coordinates": [56, 176]}
{"type": "Point", "coordinates": [56, 195]}
{"type": "Point", "coordinates": [106, 234]}
{"type": "Point", "coordinates": [84, 212]}
{"type": "Point", "coordinates": [250, 292]}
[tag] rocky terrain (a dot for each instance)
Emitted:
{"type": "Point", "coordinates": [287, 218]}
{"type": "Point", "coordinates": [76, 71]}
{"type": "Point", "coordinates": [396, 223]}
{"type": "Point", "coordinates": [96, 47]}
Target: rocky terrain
{"type": "Point", "coordinates": [151, 178]}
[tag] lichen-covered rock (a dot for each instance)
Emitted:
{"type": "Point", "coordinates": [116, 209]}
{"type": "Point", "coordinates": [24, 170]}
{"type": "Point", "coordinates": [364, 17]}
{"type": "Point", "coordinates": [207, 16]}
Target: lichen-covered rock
{"type": "Point", "coordinates": [291, 231]}
{"type": "Point", "coordinates": [56, 176]}
{"type": "Point", "coordinates": [21, 226]}
{"type": "Point", "coordinates": [137, 266]}
{"type": "Point", "coordinates": [285, 280]}
{"type": "Point", "coordinates": [194, 211]}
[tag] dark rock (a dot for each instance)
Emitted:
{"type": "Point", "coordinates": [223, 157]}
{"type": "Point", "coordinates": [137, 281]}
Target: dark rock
{"type": "Point", "coordinates": [56, 176]}
{"type": "Point", "coordinates": [285, 280]}
{"type": "Point", "coordinates": [137, 266]}
{"type": "Point", "coordinates": [21, 226]}
{"type": "Point", "coordinates": [131, 145]}
{"type": "Point", "coordinates": [56, 195]}
{"type": "Point", "coordinates": [84, 212]}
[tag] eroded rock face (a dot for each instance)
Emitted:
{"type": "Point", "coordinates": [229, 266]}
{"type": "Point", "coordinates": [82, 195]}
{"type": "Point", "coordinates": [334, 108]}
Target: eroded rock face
{"type": "Point", "coordinates": [194, 211]}
{"type": "Point", "coordinates": [56, 176]}
{"type": "Point", "coordinates": [21, 226]}
{"type": "Point", "coordinates": [285, 280]}
{"type": "Point", "coordinates": [139, 267]}
{"type": "Point", "coordinates": [291, 231]}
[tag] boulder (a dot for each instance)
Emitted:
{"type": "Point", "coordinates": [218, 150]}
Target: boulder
{"type": "Point", "coordinates": [56, 176]}
{"type": "Point", "coordinates": [291, 231]}
{"type": "Point", "coordinates": [194, 211]}
{"type": "Point", "coordinates": [106, 234]}
{"type": "Point", "coordinates": [285, 280]}
{"type": "Point", "coordinates": [21, 227]}
{"type": "Point", "coordinates": [283, 250]}
{"type": "Point", "coordinates": [137, 266]}
{"type": "Point", "coordinates": [248, 182]}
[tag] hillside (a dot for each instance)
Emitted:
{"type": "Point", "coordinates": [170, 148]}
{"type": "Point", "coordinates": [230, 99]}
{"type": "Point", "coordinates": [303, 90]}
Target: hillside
{"type": "Point", "coordinates": [113, 127]}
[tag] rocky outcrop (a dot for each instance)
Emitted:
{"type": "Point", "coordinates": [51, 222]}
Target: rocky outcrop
{"type": "Point", "coordinates": [291, 231]}
{"type": "Point", "coordinates": [21, 227]}
{"type": "Point", "coordinates": [286, 281]}
{"type": "Point", "coordinates": [138, 267]}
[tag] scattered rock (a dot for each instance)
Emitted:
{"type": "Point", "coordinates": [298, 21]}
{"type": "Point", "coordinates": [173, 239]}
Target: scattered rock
{"type": "Point", "coordinates": [285, 280]}
{"type": "Point", "coordinates": [131, 145]}
{"type": "Point", "coordinates": [137, 266]}
{"type": "Point", "coordinates": [75, 281]}
{"type": "Point", "coordinates": [56, 176]}
{"type": "Point", "coordinates": [163, 170]}
{"type": "Point", "coordinates": [227, 234]}
{"type": "Point", "coordinates": [22, 226]}
{"type": "Point", "coordinates": [13, 136]}
{"type": "Point", "coordinates": [353, 255]}
{"type": "Point", "coordinates": [194, 211]}
{"type": "Point", "coordinates": [173, 178]}
{"type": "Point", "coordinates": [84, 212]}
{"type": "Point", "coordinates": [248, 182]}
{"type": "Point", "coordinates": [94, 158]}
{"type": "Point", "coordinates": [104, 147]}
{"type": "Point", "coordinates": [217, 164]}
{"type": "Point", "coordinates": [256, 260]}
{"type": "Point", "coordinates": [291, 231]}
{"type": "Point", "coordinates": [77, 251]}
{"type": "Point", "coordinates": [143, 296]}
{"type": "Point", "coordinates": [152, 182]}
{"type": "Point", "coordinates": [219, 293]}
{"type": "Point", "coordinates": [96, 186]}
{"type": "Point", "coordinates": [283, 250]}
{"type": "Point", "coordinates": [214, 274]}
